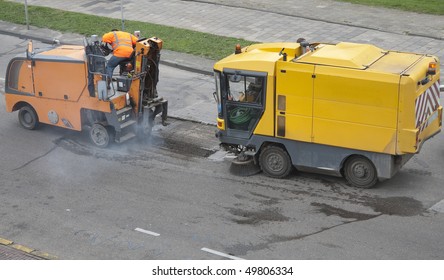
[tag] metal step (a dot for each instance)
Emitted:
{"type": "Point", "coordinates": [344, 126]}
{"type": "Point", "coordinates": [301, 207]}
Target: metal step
{"type": "Point", "coordinates": [124, 115]}
{"type": "Point", "coordinates": [126, 137]}
{"type": "Point", "coordinates": [124, 110]}
{"type": "Point", "coordinates": [127, 124]}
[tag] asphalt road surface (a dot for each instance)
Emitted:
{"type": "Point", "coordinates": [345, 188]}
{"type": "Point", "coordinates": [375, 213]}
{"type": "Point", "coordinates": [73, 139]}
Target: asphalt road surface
{"type": "Point", "coordinates": [174, 198]}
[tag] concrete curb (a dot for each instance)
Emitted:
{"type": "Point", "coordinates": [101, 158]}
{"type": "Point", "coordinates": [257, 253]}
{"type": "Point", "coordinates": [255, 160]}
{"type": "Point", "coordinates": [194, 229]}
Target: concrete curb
{"type": "Point", "coordinates": [178, 60]}
{"type": "Point", "coordinates": [26, 250]}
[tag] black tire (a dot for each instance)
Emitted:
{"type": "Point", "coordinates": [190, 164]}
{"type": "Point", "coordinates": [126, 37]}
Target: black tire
{"type": "Point", "coordinates": [28, 117]}
{"type": "Point", "coordinates": [360, 172]}
{"type": "Point", "coordinates": [100, 135]}
{"type": "Point", "coordinates": [275, 162]}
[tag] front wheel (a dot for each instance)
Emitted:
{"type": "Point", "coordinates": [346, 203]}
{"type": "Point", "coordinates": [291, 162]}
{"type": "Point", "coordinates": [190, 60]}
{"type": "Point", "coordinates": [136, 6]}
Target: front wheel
{"type": "Point", "coordinates": [360, 172]}
{"type": "Point", "coordinates": [28, 117]}
{"type": "Point", "coordinates": [100, 135]}
{"type": "Point", "coordinates": [275, 162]}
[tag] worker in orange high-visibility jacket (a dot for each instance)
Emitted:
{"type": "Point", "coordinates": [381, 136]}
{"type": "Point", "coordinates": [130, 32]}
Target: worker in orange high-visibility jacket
{"type": "Point", "coordinates": [122, 44]}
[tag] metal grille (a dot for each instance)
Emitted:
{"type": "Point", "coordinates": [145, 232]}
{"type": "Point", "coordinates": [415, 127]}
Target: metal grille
{"type": "Point", "coordinates": [8, 253]}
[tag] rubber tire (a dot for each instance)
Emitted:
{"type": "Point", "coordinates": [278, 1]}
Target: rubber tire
{"type": "Point", "coordinates": [275, 162]}
{"type": "Point", "coordinates": [28, 117]}
{"type": "Point", "coordinates": [360, 172]}
{"type": "Point", "coordinates": [100, 135]}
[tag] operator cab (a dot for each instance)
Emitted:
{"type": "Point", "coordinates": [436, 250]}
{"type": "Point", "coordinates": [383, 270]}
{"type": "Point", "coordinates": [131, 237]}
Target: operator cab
{"type": "Point", "coordinates": [240, 96]}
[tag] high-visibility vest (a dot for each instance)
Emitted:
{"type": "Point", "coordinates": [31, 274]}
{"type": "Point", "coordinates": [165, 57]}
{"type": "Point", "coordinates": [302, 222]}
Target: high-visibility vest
{"type": "Point", "coordinates": [121, 42]}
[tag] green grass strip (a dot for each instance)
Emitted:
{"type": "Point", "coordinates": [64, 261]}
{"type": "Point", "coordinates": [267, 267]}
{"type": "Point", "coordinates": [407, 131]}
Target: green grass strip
{"type": "Point", "coordinates": [435, 7]}
{"type": "Point", "coordinates": [175, 39]}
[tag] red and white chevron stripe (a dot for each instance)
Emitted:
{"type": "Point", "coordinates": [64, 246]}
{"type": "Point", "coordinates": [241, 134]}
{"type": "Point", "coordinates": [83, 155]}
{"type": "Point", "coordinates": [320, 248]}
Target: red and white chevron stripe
{"type": "Point", "coordinates": [426, 104]}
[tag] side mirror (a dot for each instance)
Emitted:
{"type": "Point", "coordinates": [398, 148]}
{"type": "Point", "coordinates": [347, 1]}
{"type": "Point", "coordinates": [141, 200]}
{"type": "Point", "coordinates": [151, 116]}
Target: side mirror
{"type": "Point", "coordinates": [235, 78]}
{"type": "Point", "coordinates": [215, 97]}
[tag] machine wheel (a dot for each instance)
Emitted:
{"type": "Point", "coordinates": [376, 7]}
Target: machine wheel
{"type": "Point", "coordinates": [100, 135]}
{"type": "Point", "coordinates": [275, 162]}
{"type": "Point", "coordinates": [28, 117]}
{"type": "Point", "coordinates": [360, 172]}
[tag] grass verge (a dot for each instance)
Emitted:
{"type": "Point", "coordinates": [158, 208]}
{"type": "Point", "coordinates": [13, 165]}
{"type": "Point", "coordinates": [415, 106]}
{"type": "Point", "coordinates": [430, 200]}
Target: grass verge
{"type": "Point", "coordinates": [420, 6]}
{"type": "Point", "coordinates": [175, 39]}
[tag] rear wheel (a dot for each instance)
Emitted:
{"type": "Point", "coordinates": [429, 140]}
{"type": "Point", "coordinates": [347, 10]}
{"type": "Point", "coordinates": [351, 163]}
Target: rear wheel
{"type": "Point", "coordinates": [275, 162]}
{"type": "Point", "coordinates": [100, 135]}
{"type": "Point", "coordinates": [28, 117]}
{"type": "Point", "coordinates": [360, 172]}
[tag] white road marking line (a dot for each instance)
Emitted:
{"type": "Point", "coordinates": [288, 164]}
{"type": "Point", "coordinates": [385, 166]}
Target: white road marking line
{"type": "Point", "coordinates": [221, 254]}
{"type": "Point", "coordinates": [147, 232]}
{"type": "Point", "coordinates": [438, 207]}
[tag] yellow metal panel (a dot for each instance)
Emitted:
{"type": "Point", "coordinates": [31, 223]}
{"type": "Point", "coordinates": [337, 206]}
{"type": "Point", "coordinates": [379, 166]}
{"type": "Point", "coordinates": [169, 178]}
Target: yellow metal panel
{"type": "Point", "coordinates": [356, 87]}
{"type": "Point", "coordinates": [355, 109]}
{"type": "Point", "coordinates": [354, 136]}
{"type": "Point", "coordinates": [356, 113]}
{"type": "Point", "coordinates": [259, 57]}
{"type": "Point", "coordinates": [266, 122]}
{"type": "Point", "coordinates": [349, 55]}
{"type": "Point", "coordinates": [298, 128]}
{"type": "Point", "coordinates": [294, 81]}
{"type": "Point", "coordinates": [394, 62]}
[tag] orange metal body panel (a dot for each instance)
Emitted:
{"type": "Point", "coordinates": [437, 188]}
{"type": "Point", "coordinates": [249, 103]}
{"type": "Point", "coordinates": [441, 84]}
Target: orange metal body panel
{"type": "Point", "coordinates": [59, 86]}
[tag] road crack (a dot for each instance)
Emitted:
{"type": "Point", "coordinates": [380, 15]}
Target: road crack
{"type": "Point", "coordinates": [34, 159]}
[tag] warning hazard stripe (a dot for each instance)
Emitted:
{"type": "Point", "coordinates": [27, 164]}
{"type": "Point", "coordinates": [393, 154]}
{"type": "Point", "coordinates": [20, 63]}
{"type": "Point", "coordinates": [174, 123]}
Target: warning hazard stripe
{"type": "Point", "coordinates": [426, 104]}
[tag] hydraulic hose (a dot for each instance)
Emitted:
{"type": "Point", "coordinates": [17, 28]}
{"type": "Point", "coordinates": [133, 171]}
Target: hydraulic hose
{"type": "Point", "coordinates": [240, 115]}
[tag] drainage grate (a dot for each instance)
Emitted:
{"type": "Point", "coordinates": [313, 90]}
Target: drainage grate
{"type": "Point", "coordinates": [8, 253]}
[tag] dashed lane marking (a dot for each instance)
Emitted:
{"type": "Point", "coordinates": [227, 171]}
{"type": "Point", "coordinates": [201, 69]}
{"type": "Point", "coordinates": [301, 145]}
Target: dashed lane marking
{"type": "Point", "coordinates": [220, 254]}
{"type": "Point", "coordinates": [147, 231]}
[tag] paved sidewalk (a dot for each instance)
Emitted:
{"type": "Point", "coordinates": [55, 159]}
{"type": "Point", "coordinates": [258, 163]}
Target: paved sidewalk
{"type": "Point", "coordinates": [263, 20]}
{"type": "Point", "coordinates": [330, 11]}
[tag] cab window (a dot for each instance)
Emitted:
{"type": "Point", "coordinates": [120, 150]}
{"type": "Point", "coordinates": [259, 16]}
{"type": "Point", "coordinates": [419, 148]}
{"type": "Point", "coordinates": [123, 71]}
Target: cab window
{"type": "Point", "coordinates": [19, 77]}
{"type": "Point", "coordinates": [245, 88]}
{"type": "Point", "coordinates": [14, 72]}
